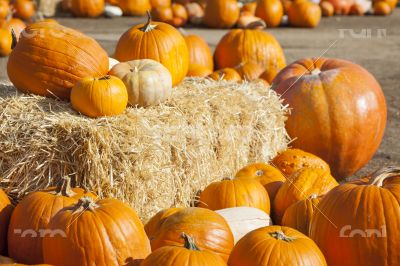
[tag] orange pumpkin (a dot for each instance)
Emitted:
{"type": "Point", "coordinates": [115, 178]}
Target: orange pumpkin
{"type": "Point", "coordinates": [248, 45]}
{"type": "Point", "coordinates": [249, 71]}
{"type": "Point", "coordinates": [392, 3]}
{"type": "Point", "coordinates": [293, 160]}
{"type": "Point", "coordinates": [209, 229]}
{"type": "Point", "coordinates": [4, 9]}
{"type": "Point", "coordinates": [304, 14]}
{"type": "Point", "coordinates": [143, 41]}
{"type": "Point", "coordinates": [7, 42]}
{"type": "Point", "coordinates": [357, 10]}
{"type": "Point", "coordinates": [180, 15]}
{"type": "Point", "coordinates": [343, 126]}
{"type": "Point", "coordinates": [341, 7]}
{"type": "Point", "coordinates": [249, 7]}
{"type": "Point", "coordinates": [5, 213]}
{"type": "Point", "coordinates": [160, 3]}
{"type": "Point", "coordinates": [270, 177]}
{"type": "Point", "coordinates": [134, 7]}
{"type": "Point", "coordinates": [199, 71]}
{"type": "Point", "coordinates": [229, 74]}
{"type": "Point", "coordinates": [163, 14]}
{"type": "Point", "coordinates": [235, 193]}
{"type": "Point", "coordinates": [382, 9]}
{"type": "Point", "coordinates": [327, 9]}
{"type": "Point", "coordinates": [199, 52]}
{"type": "Point", "coordinates": [271, 11]}
{"type": "Point", "coordinates": [363, 215]}
{"type": "Point", "coordinates": [301, 185]}
{"type": "Point", "coordinates": [24, 9]}
{"type": "Point", "coordinates": [87, 8]}
{"type": "Point", "coordinates": [116, 235]}
{"type": "Point", "coordinates": [49, 59]}
{"type": "Point", "coordinates": [269, 75]}
{"type": "Point", "coordinates": [31, 217]}
{"type": "Point", "coordinates": [195, 13]}
{"type": "Point", "coordinates": [13, 24]}
{"type": "Point", "coordinates": [298, 215]}
{"type": "Point", "coordinates": [155, 223]}
{"type": "Point", "coordinates": [276, 245]}
{"type": "Point", "coordinates": [221, 13]}
{"type": "Point", "coordinates": [188, 254]}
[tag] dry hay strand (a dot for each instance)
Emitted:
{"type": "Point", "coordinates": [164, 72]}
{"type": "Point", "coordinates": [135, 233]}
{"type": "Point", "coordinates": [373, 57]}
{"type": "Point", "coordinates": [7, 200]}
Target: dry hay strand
{"type": "Point", "coordinates": [152, 158]}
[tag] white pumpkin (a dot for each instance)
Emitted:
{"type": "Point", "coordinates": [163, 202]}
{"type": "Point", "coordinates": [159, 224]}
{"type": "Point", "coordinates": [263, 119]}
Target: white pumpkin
{"type": "Point", "coordinates": [148, 82]}
{"type": "Point", "coordinates": [112, 62]}
{"type": "Point", "coordinates": [243, 220]}
{"type": "Point", "coordinates": [112, 11]}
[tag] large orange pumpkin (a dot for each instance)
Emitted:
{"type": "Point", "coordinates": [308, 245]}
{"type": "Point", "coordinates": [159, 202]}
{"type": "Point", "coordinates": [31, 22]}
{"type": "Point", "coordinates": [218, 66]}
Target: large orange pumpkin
{"type": "Point", "coordinates": [31, 217]}
{"type": "Point", "coordinates": [271, 11]}
{"type": "Point", "coordinates": [134, 7]}
{"type": "Point", "coordinates": [144, 41]}
{"type": "Point", "coordinates": [49, 59]}
{"type": "Point", "coordinates": [247, 45]}
{"type": "Point", "coordinates": [276, 245]}
{"type": "Point", "coordinates": [221, 13]}
{"type": "Point", "coordinates": [5, 214]}
{"type": "Point", "coordinates": [235, 193]}
{"type": "Point", "coordinates": [104, 232]}
{"type": "Point", "coordinates": [209, 229]}
{"type": "Point", "coordinates": [87, 8]}
{"type": "Point", "coordinates": [304, 14]}
{"type": "Point", "coordinates": [358, 222]}
{"type": "Point", "coordinates": [188, 254]}
{"type": "Point", "coordinates": [338, 111]}
{"type": "Point", "coordinates": [301, 185]}
{"type": "Point", "coordinates": [199, 52]}
{"type": "Point", "coordinates": [155, 223]}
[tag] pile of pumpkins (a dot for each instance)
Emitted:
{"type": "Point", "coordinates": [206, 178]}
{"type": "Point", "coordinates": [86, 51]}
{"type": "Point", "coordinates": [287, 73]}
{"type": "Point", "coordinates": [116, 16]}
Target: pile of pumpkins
{"type": "Point", "coordinates": [315, 221]}
{"type": "Point", "coordinates": [357, 7]}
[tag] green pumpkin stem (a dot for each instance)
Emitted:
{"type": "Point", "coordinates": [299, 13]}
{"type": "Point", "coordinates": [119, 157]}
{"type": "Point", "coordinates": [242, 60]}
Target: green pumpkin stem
{"type": "Point", "coordinates": [64, 187]}
{"type": "Point", "coordinates": [382, 174]}
{"type": "Point", "coordinates": [279, 235]}
{"type": "Point", "coordinates": [189, 242]}
{"type": "Point", "coordinates": [14, 39]}
{"type": "Point", "coordinates": [148, 26]}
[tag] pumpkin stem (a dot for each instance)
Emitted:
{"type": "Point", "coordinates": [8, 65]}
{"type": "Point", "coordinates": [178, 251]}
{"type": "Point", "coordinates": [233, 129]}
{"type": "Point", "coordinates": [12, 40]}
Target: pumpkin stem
{"type": "Point", "coordinates": [14, 39]}
{"type": "Point", "coordinates": [279, 235]}
{"type": "Point", "coordinates": [106, 77]}
{"type": "Point", "coordinates": [313, 196]}
{"type": "Point", "coordinates": [189, 242]}
{"type": "Point", "coordinates": [382, 174]}
{"type": "Point", "coordinates": [259, 24]}
{"type": "Point", "coordinates": [86, 203]}
{"type": "Point", "coordinates": [315, 71]}
{"type": "Point", "coordinates": [148, 26]}
{"type": "Point", "coordinates": [64, 187]}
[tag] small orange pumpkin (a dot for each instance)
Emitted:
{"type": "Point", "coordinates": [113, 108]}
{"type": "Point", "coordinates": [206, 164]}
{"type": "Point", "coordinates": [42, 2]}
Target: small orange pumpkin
{"type": "Point", "coordinates": [327, 9]}
{"type": "Point", "coordinates": [135, 7]}
{"type": "Point", "coordinates": [304, 14]}
{"type": "Point", "coordinates": [4, 9]}
{"type": "Point", "coordinates": [271, 11]}
{"type": "Point", "coordinates": [199, 52]}
{"type": "Point", "coordinates": [7, 42]}
{"type": "Point", "coordinates": [24, 9]}
{"type": "Point", "coordinates": [87, 8]}
{"type": "Point", "coordinates": [221, 13]}
{"type": "Point", "coordinates": [160, 3]}
{"type": "Point", "coordinates": [249, 71]}
{"type": "Point", "coordinates": [13, 24]}
{"type": "Point", "coordinates": [382, 8]}
{"type": "Point", "coordinates": [229, 74]}
{"type": "Point", "coordinates": [6, 209]}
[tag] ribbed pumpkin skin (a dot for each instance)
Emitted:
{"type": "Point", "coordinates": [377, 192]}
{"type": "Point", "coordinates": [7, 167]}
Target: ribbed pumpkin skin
{"type": "Point", "coordinates": [49, 59]}
{"type": "Point", "coordinates": [298, 215]}
{"type": "Point", "coordinates": [110, 233]}
{"type": "Point", "coordinates": [363, 222]}
{"type": "Point", "coordinates": [209, 229]}
{"type": "Point", "coordinates": [154, 224]}
{"type": "Point", "coordinates": [34, 212]}
{"type": "Point", "coordinates": [87, 8]}
{"type": "Point", "coordinates": [5, 214]}
{"type": "Point", "coordinates": [158, 41]}
{"type": "Point", "coordinates": [301, 185]}
{"type": "Point", "coordinates": [221, 13]}
{"type": "Point", "coordinates": [259, 247]}
{"type": "Point", "coordinates": [199, 52]}
{"type": "Point", "coordinates": [235, 193]}
{"type": "Point", "coordinates": [338, 114]}
{"type": "Point", "coordinates": [240, 45]}
{"type": "Point", "coordinates": [271, 11]}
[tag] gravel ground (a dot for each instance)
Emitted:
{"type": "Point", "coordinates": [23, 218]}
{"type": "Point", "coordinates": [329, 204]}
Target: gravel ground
{"type": "Point", "coordinates": [373, 42]}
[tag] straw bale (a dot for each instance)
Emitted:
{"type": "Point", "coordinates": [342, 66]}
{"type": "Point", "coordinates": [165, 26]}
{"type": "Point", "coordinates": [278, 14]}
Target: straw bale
{"type": "Point", "coordinates": [151, 158]}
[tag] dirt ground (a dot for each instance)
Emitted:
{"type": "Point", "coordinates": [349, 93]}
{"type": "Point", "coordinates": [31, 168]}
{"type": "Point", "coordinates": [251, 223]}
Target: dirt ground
{"type": "Point", "coordinates": [373, 42]}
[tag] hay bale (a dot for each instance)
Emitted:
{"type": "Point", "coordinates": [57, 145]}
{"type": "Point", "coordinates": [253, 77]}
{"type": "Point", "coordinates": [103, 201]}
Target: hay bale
{"type": "Point", "coordinates": [152, 158]}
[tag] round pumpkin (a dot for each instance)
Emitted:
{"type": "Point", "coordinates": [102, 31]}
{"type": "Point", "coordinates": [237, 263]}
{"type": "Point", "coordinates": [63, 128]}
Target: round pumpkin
{"type": "Point", "coordinates": [199, 71]}
{"type": "Point", "coordinates": [148, 82]}
{"type": "Point", "coordinates": [249, 70]}
{"type": "Point", "coordinates": [299, 214]}
{"type": "Point", "coordinates": [209, 229]}
{"type": "Point", "coordinates": [362, 215]}
{"type": "Point", "coordinates": [143, 42]}
{"type": "Point", "coordinates": [87, 8]}
{"type": "Point", "coordinates": [382, 8]}
{"type": "Point", "coordinates": [160, 3]}
{"type": "Point", "coordinates": [154, 224]}
{"type": "Point", "coordinates": [229, 74]}
{"type": "Point", "coordinates": [195, 13]}
{"type": "Point", "coordinates": [188, 254]}
{"type": "Point", "coordinates": [4, 9]}
{"type": "Point", "coordinates": [292, 160]}
{"type": "Point", "coordinates": [6, 42]}
{"type": "Point", "coordinates": [304, 14]}
{"type": "Point", "coordinates": [162, 14]}
{"type": "Point", "coordinates": [97, 97]}
{"type": "Point", "coordinates": [24, 9]}
{"type": "Point", "coordinates": [112, 235]}
{"type": "Point", "coordinates": [270, 177]}
{"type": "Point", "coordinates": [6, 209]}
{"type": "Point", "coordinates": [327, 9]}
{"type": "Point", "coordinates": [341, 7]}
{"type": "Point", "coordinates": [271, 11]}
{"type": "Point", "coordinates": [199, 52]}
{"type": "Point", "coordinates": [134, 7]}
{"type": "Point", "coordinates": [356, 10]}
{"type": "Point", "coordinates": [49, 59]}
{"type": "Point", "coordinates": [249, 7]}
{"type": "Point", "coordinates": [235, 193]}
{"type": "Point", "coordinates": [31, 216]}
{"type": "Point", "coordinates": [247, 45]}
{"type": "Point", "coordinates": [221, 13]}
{"type": "Point", "coordinates": [269, 75]}
{"type": "Point", "coordinates": [301, 185]}
{"type": "Point", "coordinates": [392, 3]}
{"type": "Point", "coordinates": [180, 15]}
{"type": "Point", "coordinates": [338, 111]}
{"type": "Point", "coordinates": [13, 24]}
{"type": "Point", "coordinates": [243, 220]}
{"type": "Point", "coordinates": [276, 245]}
